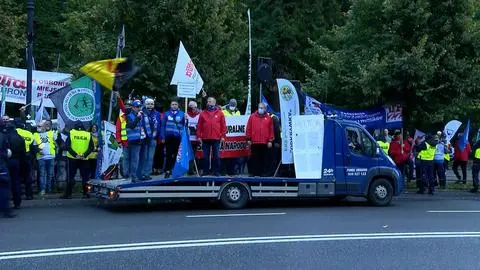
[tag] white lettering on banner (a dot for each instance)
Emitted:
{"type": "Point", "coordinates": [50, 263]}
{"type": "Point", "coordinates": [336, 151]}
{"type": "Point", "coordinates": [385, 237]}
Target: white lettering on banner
{"type": "Point", "coordinates": [289, 107]}
{"type": "Point", "coordinates": [43, 83]}
{"type": "Point", "coordinates": [308, 136]}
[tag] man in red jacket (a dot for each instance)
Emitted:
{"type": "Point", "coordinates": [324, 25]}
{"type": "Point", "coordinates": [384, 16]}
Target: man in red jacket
{"type": "Point", "coordinates": [259, 138]}
{"type": "Point", "coordinates": [460, 158]}
{"type": "Point", "coordinates": [211, 130]}
{"type": "Point", "coordinates": [399, 151]}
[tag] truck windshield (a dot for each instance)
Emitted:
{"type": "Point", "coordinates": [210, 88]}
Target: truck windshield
{"type": "Point", "coordinates": [359, 142]}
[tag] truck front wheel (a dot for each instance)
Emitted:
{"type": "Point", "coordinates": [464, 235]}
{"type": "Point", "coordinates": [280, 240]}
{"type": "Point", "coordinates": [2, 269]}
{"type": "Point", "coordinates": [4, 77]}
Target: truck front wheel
{"type": "Point", "coordinates": [234, 196]}
{"type": "Point", "coordinates": [380, 192]}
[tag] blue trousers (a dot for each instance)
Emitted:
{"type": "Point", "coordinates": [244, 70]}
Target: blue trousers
{"type": "Point", "coordinates": [428, 179]}
{"type": "Point", "coordinates": [134, 157]}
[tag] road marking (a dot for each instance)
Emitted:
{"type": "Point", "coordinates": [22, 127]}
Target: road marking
{"type": "Point", "coordinates": [454, 211]}
{"type": "Point", "coordinates": [228, 241]}
{"type": "Point", "coordinates": [237, 215]}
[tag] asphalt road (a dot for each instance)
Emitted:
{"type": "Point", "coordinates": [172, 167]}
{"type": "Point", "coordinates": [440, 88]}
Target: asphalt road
{"type": "Point", "coordinates": [419, 232]}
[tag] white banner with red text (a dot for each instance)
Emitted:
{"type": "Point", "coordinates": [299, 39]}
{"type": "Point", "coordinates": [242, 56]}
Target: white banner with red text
{"type": "Point", "coordinates": [235, 144]}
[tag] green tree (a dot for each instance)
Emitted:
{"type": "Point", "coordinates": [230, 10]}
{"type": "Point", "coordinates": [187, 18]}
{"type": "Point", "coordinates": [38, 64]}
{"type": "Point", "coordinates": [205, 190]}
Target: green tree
{"type": "Point", "coordinates": [13, 33]}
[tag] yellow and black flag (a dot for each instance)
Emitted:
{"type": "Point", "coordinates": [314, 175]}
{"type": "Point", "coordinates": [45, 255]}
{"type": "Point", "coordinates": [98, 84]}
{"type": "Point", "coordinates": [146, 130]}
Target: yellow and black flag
{"type": "Point", "coordinates": [111, 73]}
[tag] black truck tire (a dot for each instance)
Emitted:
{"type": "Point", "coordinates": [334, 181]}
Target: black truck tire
{"type": "Point", "coordinates": [380, 192]}
{"type": "Point", "coordinates": [234, 196]}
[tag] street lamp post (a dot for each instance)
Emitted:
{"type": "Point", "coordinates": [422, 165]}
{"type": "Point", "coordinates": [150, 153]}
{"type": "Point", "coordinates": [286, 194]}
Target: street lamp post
{"type": "Point", "coordinates": [30, 12]}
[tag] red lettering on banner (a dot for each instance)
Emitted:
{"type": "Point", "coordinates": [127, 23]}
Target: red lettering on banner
{"type": "Point", "coordinates": [233, 147]}
{"type": "Point", "coordinates": [7, 81]}
{"type": "Point", "coordinates": [189, 69]}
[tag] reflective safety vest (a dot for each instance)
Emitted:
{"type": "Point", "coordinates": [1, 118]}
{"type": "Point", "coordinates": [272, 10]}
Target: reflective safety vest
{"type": "Point", "coordinates": [79, 141]}
{"type": "Point", "coordinates": [477, 153]}
{"type": "Point", "coordinates": [427, 154]}
{"type": "Point", "coordinates": [123, 126]}
{"type": "Point", "coordinates": [447, 157]}
{"type": "Point", "coordinates": [135, 134]}
{"type": "Point", "coordinates": [384, 145]}
{"type": "Point", "coordinates": [94, 153]}
{"type": "Point", "coordinates": [41, 145]}
{"type": "Point", "coordinates": [227, 113]}
{"type": "Point", "coordinates": [27, 137]}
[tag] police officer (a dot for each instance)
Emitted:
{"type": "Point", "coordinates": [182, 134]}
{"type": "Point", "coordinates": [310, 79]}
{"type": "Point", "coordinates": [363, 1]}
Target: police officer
{"type": "Point", "coordinates": [427, 155]}
{"type": "Point", "coordinates": [27, 164]}
{"type": "Point", "coordinates": [382, 142]}
{"type": "Point", "coordinates": [5, 153]}
{"type": "Point", "coordinates": [17, 146]}
{"type": "Point", "coordinates": [79, 145]}
{"type": "Point", "coordinates": [476, 167]}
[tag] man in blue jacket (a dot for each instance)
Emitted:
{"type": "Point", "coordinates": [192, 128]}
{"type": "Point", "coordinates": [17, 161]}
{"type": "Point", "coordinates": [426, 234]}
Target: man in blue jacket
{"type": "Point", "coordinates": [172, 126]}
{"type": "Point", "coordinates": [151, 123]}
{"type": "Point", "coordinates": [135, 136]}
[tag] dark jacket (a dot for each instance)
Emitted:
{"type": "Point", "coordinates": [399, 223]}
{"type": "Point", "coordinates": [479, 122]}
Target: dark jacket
{"type": "Point", "coordinates": [16, 143]}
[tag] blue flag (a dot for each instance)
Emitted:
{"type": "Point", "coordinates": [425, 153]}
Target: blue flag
{"type": "Point", "coordinates": [464, 139]}
{"type": "Point", "coordinates": [269, 108]}
{"type": "Point", "coordinates": [184, 155]}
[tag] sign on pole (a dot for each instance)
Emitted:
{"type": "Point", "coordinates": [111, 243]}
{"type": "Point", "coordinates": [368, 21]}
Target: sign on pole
{"type": "Point", "coordinates": [186, 90]}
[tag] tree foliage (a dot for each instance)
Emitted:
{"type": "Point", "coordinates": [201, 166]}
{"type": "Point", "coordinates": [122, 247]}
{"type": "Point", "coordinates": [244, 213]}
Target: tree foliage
{"type": "Point", "coordinates": [355, 53]}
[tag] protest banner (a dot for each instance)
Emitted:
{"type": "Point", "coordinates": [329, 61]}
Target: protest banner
{"type": "Point", "coordinates": [389, 117]}
{"type": "Point", "coordinates": [236, 142]}
{"type": "Point", "coordinates": [289, 107]}
{"type": "Point", "coordinates": [43, 83]}
{"type": "Point", "coordinates": [110, 152]}
{"type": "Point", "coordinates": [450, 129]}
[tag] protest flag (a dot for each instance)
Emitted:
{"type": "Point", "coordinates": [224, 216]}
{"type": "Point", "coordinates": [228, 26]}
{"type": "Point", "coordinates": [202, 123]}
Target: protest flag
{"type": "Point", "coordinates": [464, 139]}
{"type": "Point", "coordinates": [312, 106]}
{"type": "Point", "coordinates": [112, 73]}
{"type": "Point", "coordinates": [184, 155]}
{"type": "Point", "coordinates": [41, 112]}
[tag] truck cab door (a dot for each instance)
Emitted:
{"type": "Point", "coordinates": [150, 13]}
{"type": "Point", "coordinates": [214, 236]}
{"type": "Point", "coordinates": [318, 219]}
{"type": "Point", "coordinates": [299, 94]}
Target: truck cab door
{"type": "Point", "coordinates": [360, 159]}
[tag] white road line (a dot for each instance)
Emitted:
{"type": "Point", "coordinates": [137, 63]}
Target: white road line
{"type": "Point", "coordinates": [237, 215]}
{"type": "Point", "coordinates": [453, 211]}
{"type": "Point", "coordinates": [229, 241]}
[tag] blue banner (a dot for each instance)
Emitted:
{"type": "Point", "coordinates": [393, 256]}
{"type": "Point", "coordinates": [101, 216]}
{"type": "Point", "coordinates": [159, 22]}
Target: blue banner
{"type": "Point", "coordinates": [389, 117]}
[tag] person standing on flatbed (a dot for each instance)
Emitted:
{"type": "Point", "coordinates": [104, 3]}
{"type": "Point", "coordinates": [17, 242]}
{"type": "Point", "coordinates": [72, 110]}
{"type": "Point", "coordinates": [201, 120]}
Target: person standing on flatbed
{"type": "Point", "coordinates": [260, 139]}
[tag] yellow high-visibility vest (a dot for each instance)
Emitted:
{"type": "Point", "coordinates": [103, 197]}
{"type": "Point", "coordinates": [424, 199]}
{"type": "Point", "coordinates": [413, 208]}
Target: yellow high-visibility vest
{"type": "Point", "coordinates": [41, 145]}
{"type": "Point", "coordinates": [384, 145]}
{"type": "Point", "coordinates": [79, 141]}
{"type": "Point", "coordinates": [428, 154]}
{"type": "Point", "coordinates": [477, 153]}
{"type": "Point", "coordinates": [27, 137]}
{"type": "Point", "coordinates": [94, 153]}
{"type": "Point", "coordinates": [227, 113]}
{"type": "Point", "coordinates": [123, 126]}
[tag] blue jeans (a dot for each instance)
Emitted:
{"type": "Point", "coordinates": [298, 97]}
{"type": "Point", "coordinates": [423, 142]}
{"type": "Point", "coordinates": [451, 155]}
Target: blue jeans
{"type": "Point", "coordinates": [125, 163]}
{"type": "Point", "coordinates": [146, 157]}
{"type": "Point", "coordinates": [134, 157]}
{"type": "Point", "coordinates": [213, 147]}
{"type": "Point", "coordinates": [46, 167]}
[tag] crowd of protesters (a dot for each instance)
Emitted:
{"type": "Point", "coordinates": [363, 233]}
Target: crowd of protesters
{"type": "Point", "coordinates": [150, 137]}
{"type": "Point", "coordinates": [426, 158]}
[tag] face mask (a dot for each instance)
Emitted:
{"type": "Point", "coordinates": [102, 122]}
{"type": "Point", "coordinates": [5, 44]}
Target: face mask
{"type": "Point", "coordinates": [232, 108]}
{"type": "Point", "coordinates": [261, 111]}
{"type": "Point", "coordinates": [211, 107]}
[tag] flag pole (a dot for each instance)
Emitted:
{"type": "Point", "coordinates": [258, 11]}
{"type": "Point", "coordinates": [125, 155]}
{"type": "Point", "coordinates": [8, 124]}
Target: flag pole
{"type": "Point", "coordinates": [248, 110]}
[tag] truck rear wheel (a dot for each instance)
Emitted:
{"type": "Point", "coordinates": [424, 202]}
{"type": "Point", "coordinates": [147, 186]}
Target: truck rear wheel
{"type": "Point", "coordinates": [234, 196]}
{"type": "Point", "coordinates": [380, 192]}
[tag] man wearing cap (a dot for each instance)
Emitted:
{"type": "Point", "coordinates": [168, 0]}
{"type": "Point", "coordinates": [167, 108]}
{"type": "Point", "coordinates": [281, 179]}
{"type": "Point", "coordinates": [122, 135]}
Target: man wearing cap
{"type": "Point", "coordinates": [228, 164]}
{"type": "Point", "coordinates": [151, 123]}
{"type": "Point", "coordinates": [231, 108]}
{"type": "Point", "coordinates": [427, 154]}
{"type": "Point", "coordinates": [171, 132]}
{"type": "Point", "coordinates": [79, 145]}
{"type": "Point", "coordinates": [135, 136]}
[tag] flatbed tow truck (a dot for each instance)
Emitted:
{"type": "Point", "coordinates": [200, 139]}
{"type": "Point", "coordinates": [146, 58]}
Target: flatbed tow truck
{"type": "Point", "coordinates": [343, 155]}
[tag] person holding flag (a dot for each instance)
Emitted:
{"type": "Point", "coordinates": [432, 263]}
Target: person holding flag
{"type": "Point", "coordinates": [460, 158]}
{"type": "Point", "coordinates": [172, 126]}
{"type": "Point", "coordinates": [184, 155]}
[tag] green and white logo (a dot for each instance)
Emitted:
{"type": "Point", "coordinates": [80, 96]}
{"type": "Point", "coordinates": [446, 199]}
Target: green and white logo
{"type": "Point", "coordinates": [79, 104]}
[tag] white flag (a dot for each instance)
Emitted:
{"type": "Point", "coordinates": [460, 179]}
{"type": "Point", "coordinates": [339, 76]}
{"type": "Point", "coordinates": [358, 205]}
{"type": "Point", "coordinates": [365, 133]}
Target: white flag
{"type": "Point", "coordinates": [289, 106]}
{"type": "Point", "coordinates": [450, 129]}
{"type": "Point", "coordinates": [419, 134]}
{"type": "Point", "coordinates": [312, 106]}
{"type": "Point", "coordinates": [185, 70]}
